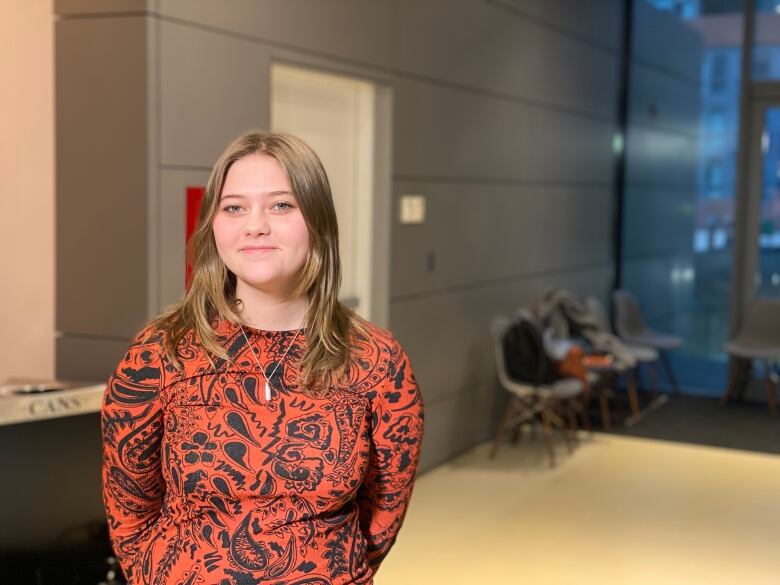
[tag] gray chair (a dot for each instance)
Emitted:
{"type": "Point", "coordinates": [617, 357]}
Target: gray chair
{"type": "Point", "coordinates": [630, 326]}
{"type": "Point", "coordinates": [639, 355]}
{"type": "Point", "coordinates": [758, 339]}
{"type": "Point", "coordinates": [528, 403]}
{"type": "Point", "coordinates": [643, 354]}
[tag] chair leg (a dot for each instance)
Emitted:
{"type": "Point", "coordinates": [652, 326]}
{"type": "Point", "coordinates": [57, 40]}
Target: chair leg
{"type": "Point", "coordinates": [734, 372]}
{"type": "Point", "coordinates": [669, 371]}
{"type": "Point", "coordinates": [548, 432]}
{"type": "Point", "coordinates": [510, 409]}
{"type": "Point", "coordinates": [585, 414]}
{"type": "Point", "coordinates": [633, 398]}
{"type": "Point", "coordinates": [770, 390]}
{"type": "Point", "coordinates": [573, 426]}
{"type": "Point", "coordinates": [638, 376]}
{"type": "Point", "coordinates": [745, 377]}
{"type": "Point", "coordinates": [516, 433]}
{"type": "Point", "coordinates": [653, 378]}
{"type": "Point", "coordinates": [561, 418]}
{"type": "Point", "coordinates": [606, 422]}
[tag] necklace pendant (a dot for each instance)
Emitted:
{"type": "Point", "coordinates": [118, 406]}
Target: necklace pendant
{"type": "Point", "coordinates": [267, 392]}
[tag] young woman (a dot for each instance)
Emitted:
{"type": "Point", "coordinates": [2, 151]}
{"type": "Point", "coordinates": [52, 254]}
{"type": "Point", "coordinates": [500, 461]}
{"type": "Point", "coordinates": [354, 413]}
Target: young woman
{"type": "Point", "coordinates": [260, 431]}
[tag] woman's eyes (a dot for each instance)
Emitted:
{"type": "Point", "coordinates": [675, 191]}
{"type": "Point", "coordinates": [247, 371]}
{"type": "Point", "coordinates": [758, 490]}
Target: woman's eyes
{"type": "Point", "coordinates": [278, 206]}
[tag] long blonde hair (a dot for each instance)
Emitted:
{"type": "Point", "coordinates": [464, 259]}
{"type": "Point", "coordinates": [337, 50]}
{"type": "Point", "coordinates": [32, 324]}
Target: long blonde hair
{"type": "Point", "coordinates": [329, 324]}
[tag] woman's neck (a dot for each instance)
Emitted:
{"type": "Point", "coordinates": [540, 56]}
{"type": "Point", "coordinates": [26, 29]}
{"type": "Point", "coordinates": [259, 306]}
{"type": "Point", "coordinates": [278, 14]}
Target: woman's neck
{"type": "Point", "coordinates": [261, 310]}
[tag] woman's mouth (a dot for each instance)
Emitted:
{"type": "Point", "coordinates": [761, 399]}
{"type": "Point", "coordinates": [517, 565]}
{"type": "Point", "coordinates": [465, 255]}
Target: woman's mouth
{"type": "Point", "coordinates": [257, 249]}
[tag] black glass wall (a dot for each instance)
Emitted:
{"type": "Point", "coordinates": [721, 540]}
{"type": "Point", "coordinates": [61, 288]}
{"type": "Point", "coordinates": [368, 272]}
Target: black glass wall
{"type": "Point", "coordinates": [681, 179]}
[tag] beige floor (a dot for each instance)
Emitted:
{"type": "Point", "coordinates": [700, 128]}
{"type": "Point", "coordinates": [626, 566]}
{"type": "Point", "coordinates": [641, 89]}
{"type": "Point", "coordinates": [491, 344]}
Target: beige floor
{"type": "Point", "coordinates": [618, 511]}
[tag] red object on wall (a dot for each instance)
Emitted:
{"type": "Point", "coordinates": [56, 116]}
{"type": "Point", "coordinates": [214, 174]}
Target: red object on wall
{"type": "Point", "coordinates": [194, 200]}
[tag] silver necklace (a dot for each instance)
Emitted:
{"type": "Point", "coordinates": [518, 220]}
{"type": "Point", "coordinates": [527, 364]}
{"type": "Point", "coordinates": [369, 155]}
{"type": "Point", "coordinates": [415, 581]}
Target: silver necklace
{"type": "Point", "coordinates": [259, 365]}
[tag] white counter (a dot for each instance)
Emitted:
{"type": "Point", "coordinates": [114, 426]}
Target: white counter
{"type": "Point", "coordinates": [20, 408]}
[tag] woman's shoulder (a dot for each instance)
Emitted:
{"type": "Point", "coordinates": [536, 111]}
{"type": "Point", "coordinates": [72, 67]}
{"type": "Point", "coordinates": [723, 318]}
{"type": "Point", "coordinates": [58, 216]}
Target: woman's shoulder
{"type": "Point", "coordinates": [189, 354]}
{"type": "Point", "coordinates": [380, 369]}
{"type": "Point", "coordinates": [381, 340]}
{"type": "Point", "coordinates": [149, 340]}
{"type": "Point", "coordinates": [376, 353]}
{"type": "Point", "coordinates": [142, 362]}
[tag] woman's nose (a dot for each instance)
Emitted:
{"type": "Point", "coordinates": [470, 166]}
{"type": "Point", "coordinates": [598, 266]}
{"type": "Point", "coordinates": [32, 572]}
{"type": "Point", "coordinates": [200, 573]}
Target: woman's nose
{"type": "Point", "coordinates": [257, 223]}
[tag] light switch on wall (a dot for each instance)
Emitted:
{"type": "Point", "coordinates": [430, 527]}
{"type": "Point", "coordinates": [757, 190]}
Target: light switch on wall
{"type": "Point", "coordinates": [412, 209]}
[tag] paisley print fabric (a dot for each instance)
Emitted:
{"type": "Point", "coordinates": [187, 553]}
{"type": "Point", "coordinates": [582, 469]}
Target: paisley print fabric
{"type": "Point", "coordinates": [206, 482]}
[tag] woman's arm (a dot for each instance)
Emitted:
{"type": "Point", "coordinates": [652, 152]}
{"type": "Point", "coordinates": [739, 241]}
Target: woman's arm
{"type": "Point", "coordinates": [397, 427]}
{"type": "Point", "coordinates": [132, 426]}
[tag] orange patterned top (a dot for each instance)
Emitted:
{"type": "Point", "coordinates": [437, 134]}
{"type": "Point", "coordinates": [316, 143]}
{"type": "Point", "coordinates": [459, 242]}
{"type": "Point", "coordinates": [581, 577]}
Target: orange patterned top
{"type": "Point", "coordinates": [206, 482]}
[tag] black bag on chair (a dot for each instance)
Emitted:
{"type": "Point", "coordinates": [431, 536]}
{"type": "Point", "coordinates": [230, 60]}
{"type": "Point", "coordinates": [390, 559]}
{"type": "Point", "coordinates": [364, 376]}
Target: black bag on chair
{"type": "Point", "coordinates": [526, 360]}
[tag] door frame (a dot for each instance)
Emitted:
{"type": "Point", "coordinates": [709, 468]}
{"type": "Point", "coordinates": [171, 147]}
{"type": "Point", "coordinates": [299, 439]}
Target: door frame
{"type": "Point", "coordinates": [382, 203]}
{"type": "Point", "coordinates": [748, 209]}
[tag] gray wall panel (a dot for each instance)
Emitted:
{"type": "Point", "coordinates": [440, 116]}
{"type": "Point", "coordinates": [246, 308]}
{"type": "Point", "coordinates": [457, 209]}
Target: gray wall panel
{"type": "Point", "coordinates": [349, 29]}
{"type": "Point", "coordinates": [446, 132]}
{"type": "Point", "coordinates": [454, 425]}
{"type": "Point", "coordinates": [567, 148]}
{"type": "Point", "coordinates": [441, 131]}
{"type": "Point", "coordinates": [101, 175]}
{"type": "Point", "coordinates": [104, 356]}
{"type": "Point", "coordinates": [481, 233]}
{"type": "Point", "coordinates": [597, 20]}
{"type": "Point", "coordinates": [213, 88]}
{"type": "Point", "coordinates": [436, 39]}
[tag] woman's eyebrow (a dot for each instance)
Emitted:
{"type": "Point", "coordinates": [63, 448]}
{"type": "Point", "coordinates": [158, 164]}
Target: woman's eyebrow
{"type": "Point", "coordinates": [268, 194]}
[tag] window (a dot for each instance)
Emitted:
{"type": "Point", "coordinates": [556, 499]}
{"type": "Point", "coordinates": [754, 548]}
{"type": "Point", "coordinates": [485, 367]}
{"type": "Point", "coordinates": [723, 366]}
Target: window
{"type": "Point", "coordinates": [714, 178]}
{"type": "Point", "coordinates": [715, 121]}
{"type": "Point", "coordinates": [766, 48]}
{"type": "Point", "coordinates": [718, 72]}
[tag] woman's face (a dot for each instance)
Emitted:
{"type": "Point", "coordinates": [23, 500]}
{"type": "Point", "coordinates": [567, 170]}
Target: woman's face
{"type": "Point", "coordinates": [258, 227]}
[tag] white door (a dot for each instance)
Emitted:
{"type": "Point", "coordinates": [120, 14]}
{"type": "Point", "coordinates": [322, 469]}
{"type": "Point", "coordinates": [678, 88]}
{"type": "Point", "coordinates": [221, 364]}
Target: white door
{"type": "Point", "coordinates": [336, 116]}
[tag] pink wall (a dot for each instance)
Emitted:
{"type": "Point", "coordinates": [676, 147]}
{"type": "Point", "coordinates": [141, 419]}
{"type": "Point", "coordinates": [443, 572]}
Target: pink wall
{"type": "Point", "coordinates": [27, 189]}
